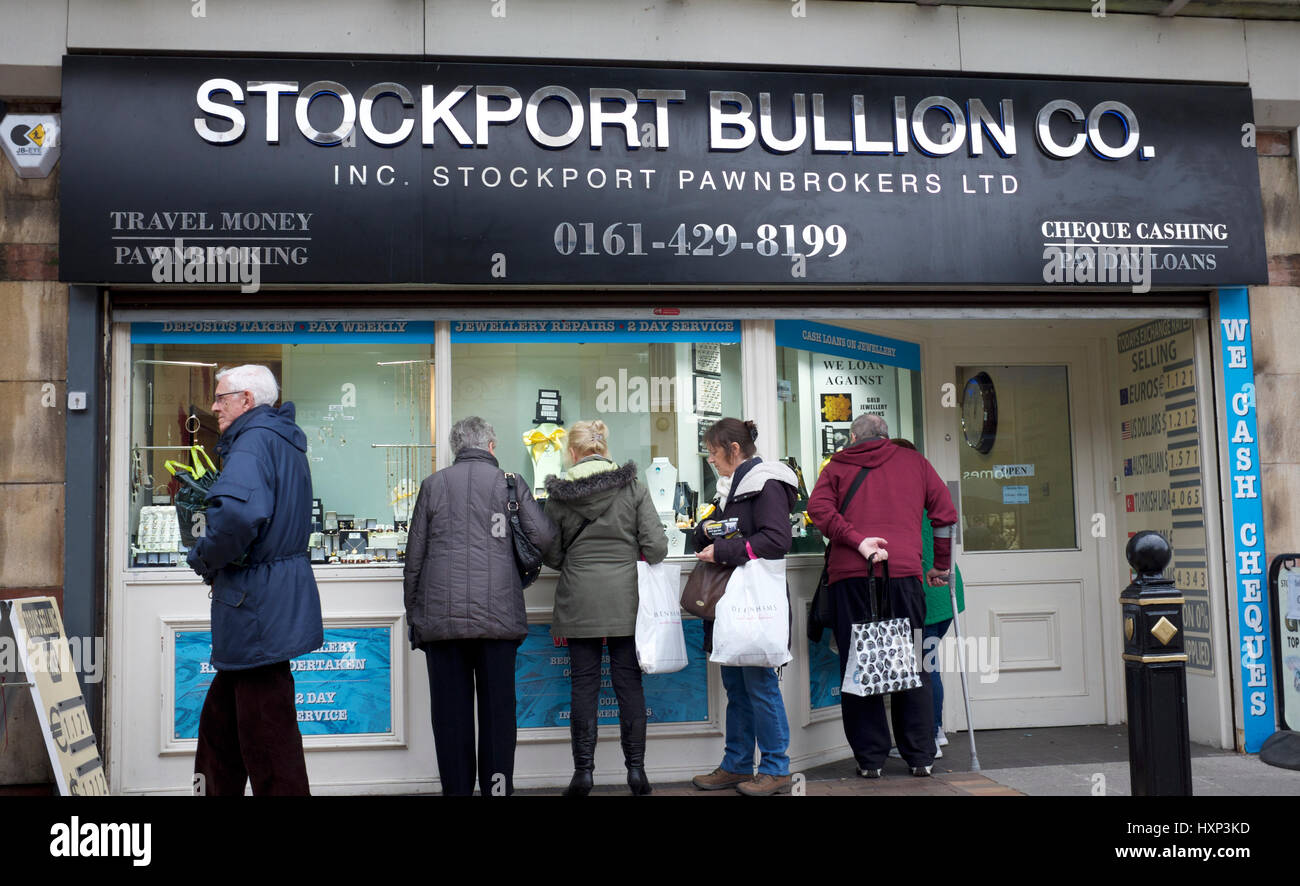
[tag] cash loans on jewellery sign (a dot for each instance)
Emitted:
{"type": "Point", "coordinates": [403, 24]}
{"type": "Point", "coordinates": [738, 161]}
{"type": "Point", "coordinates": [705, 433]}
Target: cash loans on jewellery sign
{"type": "Point", "coordinates": [390, 172]}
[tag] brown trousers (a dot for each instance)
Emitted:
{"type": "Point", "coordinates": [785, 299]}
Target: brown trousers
{"type": "Point", "coordinates": [249, 730]}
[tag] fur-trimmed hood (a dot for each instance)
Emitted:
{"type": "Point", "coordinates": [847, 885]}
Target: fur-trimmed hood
{"type": "Point", "coordinates": [590, 494]}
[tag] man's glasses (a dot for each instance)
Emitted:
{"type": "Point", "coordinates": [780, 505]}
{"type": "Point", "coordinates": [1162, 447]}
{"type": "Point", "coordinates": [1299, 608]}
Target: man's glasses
{"type": "Point", "coordinates": [217, 399]}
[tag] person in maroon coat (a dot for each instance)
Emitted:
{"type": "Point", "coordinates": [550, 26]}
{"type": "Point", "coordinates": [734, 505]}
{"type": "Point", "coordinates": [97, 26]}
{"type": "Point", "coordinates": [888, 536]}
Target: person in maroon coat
{"type": "Point", "coordinates": [883, 519]}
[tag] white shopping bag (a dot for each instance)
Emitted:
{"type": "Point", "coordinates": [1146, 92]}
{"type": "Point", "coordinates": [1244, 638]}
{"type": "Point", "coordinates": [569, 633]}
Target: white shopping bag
{"type": "Point", "coordinates": [882, 659]}
{"type": "Point", "coordinates": [660, 643]}
{"type": "Point", "coordinates": [753, 617]}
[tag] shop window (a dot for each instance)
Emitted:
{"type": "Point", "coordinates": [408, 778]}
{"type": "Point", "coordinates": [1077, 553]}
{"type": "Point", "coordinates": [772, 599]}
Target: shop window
{"type": "Point", "coordinates": [656, 385]}
{"type": "Point", "coordinates": [827, 376]}
{"type": "Point", "coordinates": [1017, 469]}
{"type": "Point", "coordinates": [366, 407]}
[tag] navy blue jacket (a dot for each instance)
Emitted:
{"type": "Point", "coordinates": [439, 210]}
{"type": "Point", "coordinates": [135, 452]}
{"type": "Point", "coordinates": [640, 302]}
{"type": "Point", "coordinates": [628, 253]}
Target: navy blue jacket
{"type": "Point", "coordinates": [269, 610]}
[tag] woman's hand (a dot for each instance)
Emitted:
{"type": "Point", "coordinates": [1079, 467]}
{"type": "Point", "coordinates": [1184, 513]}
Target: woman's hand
{"type": "Point", "coordinates": [706, 555]}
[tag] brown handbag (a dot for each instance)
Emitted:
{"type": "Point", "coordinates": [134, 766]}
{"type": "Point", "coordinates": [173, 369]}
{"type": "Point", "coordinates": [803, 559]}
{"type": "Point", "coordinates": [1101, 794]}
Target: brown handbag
{"type": "Point", "coordinates": [704, 588]}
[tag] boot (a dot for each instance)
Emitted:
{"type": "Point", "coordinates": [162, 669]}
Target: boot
{"type": "Point", "coordinates": [633, 738]}
{"type": "Point", "coordinates": [582, 734]}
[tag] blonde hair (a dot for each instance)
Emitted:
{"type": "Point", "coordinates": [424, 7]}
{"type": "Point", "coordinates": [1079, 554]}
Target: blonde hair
{"type": "Point", "coordinates": [589, 438]}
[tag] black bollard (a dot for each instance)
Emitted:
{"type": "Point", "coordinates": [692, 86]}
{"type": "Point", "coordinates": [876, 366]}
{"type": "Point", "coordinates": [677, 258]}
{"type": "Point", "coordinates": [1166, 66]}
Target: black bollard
{"type": "Point", "coordinates": [1155, 674]}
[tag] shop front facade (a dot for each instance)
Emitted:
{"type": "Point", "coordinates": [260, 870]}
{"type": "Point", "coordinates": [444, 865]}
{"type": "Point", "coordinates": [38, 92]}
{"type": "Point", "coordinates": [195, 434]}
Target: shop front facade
{"type": "Point", "coordinates": [1036, 276]}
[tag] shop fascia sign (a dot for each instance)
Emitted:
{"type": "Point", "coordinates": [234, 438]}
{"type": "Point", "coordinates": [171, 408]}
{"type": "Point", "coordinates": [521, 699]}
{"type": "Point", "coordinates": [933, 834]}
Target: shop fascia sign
{"type": "Point", "coordinates": [31, 142]}
{"type": "Point", "coordinates": [736, 121]}
{"type": "Point", "coordinates": [592, 176]}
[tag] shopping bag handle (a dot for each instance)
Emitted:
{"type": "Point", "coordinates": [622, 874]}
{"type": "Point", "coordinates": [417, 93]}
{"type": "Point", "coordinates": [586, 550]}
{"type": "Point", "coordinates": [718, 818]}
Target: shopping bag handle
{"type": "Point", "coordinates": [196, 470]}
{"type": "Point", "coordinates": [878, 590]}
{"type": "Point", "coordinates": [195, 451]}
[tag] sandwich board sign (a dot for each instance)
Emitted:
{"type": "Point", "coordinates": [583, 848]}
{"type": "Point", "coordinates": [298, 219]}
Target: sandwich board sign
{"type": "Point", "coordinates": [43, 652]}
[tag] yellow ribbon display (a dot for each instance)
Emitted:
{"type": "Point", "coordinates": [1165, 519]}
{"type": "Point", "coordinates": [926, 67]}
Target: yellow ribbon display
{"type": "Point", "coordinates": [540, 442]}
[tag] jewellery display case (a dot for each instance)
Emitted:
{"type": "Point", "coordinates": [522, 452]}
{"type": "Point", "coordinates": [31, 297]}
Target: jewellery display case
{"type": "Point", "coordinates": [366, 410]}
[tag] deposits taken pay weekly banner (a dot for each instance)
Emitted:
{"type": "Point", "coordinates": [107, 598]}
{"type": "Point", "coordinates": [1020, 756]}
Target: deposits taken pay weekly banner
{"type": "Point", "coordinates": [331, 171]}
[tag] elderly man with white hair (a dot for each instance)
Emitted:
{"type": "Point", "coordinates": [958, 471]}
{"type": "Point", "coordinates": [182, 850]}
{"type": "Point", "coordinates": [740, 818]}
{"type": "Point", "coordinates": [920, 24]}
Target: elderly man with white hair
{"type": "Point", "coordinates": [252, 550]}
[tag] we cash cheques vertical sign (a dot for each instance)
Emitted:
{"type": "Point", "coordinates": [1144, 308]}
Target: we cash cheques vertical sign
{"type": "Point", "coordinates": [329, 171]}
{"type": "Point", "coordinates": [47, 660]}
{"type": "Point", "coordinates": [1248, 568]}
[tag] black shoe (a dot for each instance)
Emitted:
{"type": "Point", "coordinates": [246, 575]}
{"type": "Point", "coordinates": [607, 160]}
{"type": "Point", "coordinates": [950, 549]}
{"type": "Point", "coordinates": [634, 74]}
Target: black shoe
{"type": "Point", "coordinates": [632, 734]}
{"type": "Point", "coordinates": [582, 734]}
{"type": "Point", "coordinates": [921, 771]}
{"type": "Point", "coordinates": [637, 781]}
{"type": "Point", "coordinates": [580, 785]}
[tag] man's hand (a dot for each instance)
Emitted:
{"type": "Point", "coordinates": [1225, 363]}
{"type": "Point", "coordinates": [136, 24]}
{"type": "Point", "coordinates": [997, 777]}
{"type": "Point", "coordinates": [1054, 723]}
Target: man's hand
{"type": "Point", "coordinates": [706, 555]}
{"type": "Point", "coordinates": [937, 577]}
{"type": "Point", "coordinates": [873, 547]}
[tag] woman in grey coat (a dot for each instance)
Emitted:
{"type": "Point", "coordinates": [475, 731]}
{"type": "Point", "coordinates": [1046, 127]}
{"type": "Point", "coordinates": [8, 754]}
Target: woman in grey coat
{"type": "Point", "coordinates": [465, 606]}
{"type": "Point", "coordinates": [606, 522]}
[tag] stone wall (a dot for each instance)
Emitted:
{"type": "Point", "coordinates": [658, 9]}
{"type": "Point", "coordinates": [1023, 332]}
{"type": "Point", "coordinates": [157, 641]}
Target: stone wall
{"type": "Point", "coordinates": [1275, 331]}
{"type": "Point", "coordinates": [33, 360]}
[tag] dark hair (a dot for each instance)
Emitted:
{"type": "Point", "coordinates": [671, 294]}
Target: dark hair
{"type": "Point", "coordinates": [906, 444]}
{"type": "Point", "coordinates": [722, 433]}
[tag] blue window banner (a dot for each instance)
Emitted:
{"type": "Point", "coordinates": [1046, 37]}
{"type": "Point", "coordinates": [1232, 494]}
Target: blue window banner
{"type": "Point", "coordinates": [581, 331]}
{"type": "Point", "coordinates": [1250, 580]}
{"type": "Point", "coordinates": [824, 674]}
{"type": "Point", "coordinates": [542, 683]}
{"type": "Point", "coordinates": [823, 339]}
{"type": "Point", "coordinates": [281, 331]}
{"type": "Point", "coordinates": [343, 688]}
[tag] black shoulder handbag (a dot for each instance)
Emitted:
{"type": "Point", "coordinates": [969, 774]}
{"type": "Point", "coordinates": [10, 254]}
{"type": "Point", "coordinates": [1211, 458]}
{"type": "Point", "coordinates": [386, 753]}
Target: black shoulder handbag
{"type": "Point", "coordinates": [528, 559]}
{"type": "Point", "coordinates": [822, 615]}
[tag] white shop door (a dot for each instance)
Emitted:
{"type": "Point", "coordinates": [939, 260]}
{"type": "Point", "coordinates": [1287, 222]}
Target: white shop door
{"type": "Point", "coordinates": [1028, 555]}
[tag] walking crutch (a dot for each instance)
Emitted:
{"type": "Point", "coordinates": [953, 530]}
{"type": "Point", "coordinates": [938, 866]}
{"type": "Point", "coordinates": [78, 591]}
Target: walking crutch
{"type": "Point", "coordinates": [961, 663]}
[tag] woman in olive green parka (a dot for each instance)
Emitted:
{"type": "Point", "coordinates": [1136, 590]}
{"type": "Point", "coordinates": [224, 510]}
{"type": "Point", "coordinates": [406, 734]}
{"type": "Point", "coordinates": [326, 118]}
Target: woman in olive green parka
{"type": "Point", "coordinates": [605, 523]}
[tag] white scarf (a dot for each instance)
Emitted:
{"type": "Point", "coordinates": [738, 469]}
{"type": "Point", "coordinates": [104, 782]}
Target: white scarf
{"type": "Point", "coordinates": [754, 480]}
{"type": "Point", "coordinates": [724, 488]}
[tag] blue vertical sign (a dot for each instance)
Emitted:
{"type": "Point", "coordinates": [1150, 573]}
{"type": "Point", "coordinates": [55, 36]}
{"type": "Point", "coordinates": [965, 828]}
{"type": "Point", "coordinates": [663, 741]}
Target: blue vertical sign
{"type": "Point", "coordinates": [1247, 516]}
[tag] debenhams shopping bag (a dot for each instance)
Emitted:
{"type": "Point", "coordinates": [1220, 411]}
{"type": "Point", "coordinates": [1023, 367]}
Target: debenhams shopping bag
{"type": "Point", "coordinates": [660, 643]}
{"type": "Point", "coordinates": [753, 617]}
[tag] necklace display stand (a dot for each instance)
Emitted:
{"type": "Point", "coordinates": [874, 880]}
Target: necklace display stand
{"type": "Point", "coordinates": [661, 480]}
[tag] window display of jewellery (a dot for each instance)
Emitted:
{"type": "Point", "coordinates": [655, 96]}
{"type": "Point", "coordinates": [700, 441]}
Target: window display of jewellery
{"type": "Point", "coordinates": [404, 468]}
{"type": "Point", "coordinates": [358, 541]}
{"type": "Point", "coordinates": [157, 537]}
